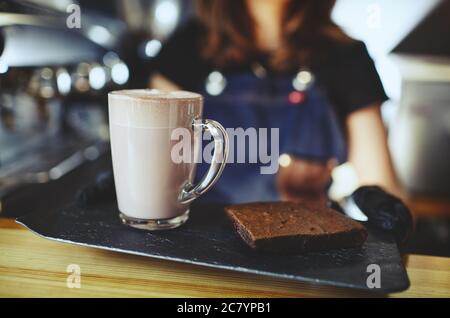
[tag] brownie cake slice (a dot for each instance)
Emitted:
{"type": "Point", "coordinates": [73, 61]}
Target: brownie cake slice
{"type": "Point", "coordinates": [295, 227]}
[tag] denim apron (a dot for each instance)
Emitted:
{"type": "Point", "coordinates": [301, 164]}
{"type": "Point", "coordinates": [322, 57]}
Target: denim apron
{"type": "Point", "coordinates": [308, 128]}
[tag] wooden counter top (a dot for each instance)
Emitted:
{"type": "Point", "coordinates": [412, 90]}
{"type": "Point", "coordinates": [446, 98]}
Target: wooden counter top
{"type": "Point", "coordinates": [31, 266]}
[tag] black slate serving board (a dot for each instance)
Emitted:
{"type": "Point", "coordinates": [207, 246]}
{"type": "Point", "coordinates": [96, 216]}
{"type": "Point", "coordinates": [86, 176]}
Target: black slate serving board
{"type": "Point", "coordinates": [208, 239]}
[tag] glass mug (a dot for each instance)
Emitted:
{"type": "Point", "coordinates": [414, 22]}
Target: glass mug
{"type": "Point", "coordinates": [154, 190]}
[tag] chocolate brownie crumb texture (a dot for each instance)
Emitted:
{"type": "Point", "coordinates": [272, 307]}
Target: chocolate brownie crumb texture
{"type": "Point", "coordinates": [295, 227]}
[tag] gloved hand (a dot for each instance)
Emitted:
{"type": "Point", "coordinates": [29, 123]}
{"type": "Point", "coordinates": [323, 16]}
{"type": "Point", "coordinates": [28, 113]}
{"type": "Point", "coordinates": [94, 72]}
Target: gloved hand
{"type": "Point", "coordinates": [384, 211]}
{"type": "Point", "coordinates": [101, 190]}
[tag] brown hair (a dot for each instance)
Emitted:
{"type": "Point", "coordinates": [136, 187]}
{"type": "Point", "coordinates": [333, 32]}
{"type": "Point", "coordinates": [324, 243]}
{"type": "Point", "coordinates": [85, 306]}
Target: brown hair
{"type": "Point", "coordinates": [307, 30]}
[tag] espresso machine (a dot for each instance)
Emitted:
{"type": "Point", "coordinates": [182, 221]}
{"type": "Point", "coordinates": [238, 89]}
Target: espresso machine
{"type": "Point", "coordinates": [54, 80]}
{"type": "Point", "coordinates": [53, 87]}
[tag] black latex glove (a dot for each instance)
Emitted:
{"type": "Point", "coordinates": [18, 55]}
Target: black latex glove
{"type": "Point", "coordinates": [335, 206]}
{"type": "Point", "coordinates": [101, 190]}
{"type": "Point", "coordinates": [384, 211]}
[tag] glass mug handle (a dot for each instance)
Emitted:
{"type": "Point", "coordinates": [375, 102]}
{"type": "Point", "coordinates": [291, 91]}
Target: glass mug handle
{"type": "Point", "coordinates": [190, 192]}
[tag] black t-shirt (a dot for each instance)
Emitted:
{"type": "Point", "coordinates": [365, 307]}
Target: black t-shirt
{"type": "Point", "coordinates": [347, 73]}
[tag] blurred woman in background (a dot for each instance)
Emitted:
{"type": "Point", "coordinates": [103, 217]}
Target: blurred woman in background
{"type": "Point", "coordinates": [282, 64]}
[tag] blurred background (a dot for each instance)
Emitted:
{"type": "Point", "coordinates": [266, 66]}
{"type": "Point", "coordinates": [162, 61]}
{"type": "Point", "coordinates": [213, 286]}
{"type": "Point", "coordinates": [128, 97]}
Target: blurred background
{"type": "Point", "coordinates": [54, 79]}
